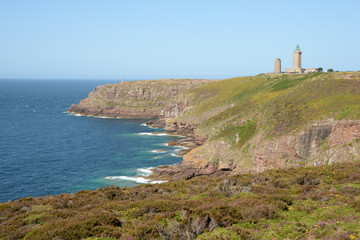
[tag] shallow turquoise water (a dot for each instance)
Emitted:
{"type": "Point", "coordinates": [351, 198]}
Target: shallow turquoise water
{"type": "Point", "coordinates": [44, 151]}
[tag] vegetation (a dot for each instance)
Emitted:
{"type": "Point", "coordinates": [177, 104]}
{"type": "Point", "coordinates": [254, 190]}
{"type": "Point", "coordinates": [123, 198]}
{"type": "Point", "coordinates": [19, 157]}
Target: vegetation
{"type": "Point", "coordinates": [277, 104]}
{"type": "Point", "coordinates": [298, 203]}
{"type": "Point", "coordinates": [280, 103]}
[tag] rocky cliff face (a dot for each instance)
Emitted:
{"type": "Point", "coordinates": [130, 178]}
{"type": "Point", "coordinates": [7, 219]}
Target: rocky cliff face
{"type": "Point", "coordinates": [137, 99]}
{"type": "Point", "coordinates": [321, 143]}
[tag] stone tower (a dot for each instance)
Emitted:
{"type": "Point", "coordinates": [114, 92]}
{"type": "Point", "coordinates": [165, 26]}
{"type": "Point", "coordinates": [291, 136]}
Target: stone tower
{"type": "Point", "coordinates": [277, 66]}
{"type": "Point", "coordinates": [297, 58]}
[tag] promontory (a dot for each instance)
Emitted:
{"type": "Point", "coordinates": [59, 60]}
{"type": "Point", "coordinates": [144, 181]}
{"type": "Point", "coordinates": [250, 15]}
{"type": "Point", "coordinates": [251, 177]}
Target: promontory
{"type": "Point", "coordinates": [244, 124]}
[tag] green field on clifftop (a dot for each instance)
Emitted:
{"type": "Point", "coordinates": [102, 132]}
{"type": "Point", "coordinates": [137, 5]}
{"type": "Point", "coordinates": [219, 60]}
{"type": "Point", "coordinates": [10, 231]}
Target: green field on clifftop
{"type": "Point", "coordinates": [278, 104]}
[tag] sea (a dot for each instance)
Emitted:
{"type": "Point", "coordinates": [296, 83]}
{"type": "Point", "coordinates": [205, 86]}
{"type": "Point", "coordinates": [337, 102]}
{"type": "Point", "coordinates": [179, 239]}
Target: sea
{"type": "Point", "coordinates": [46, 151]}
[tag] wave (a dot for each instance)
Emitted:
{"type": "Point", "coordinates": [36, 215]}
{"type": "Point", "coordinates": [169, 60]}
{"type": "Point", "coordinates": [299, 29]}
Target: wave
{"type": "Point", "coordinates": [163, 134]}
{"type": "Point", "coordinates": [158, 134]}
{"type": "Point", "coordinates": [153, 134]}
{"type": "Point", "coordinates": [145, 171]}
{"type": "Point", "coordinates": [74, 114]}
{"type": "Point", "coordinates": [145, 125]}
{"type": "Point", "coordinates": [175, 155]}
{"type": "Point", "coordinates": [181, 147]}
{"type": "Point", "coordinates": [103, 117]}
{"type": "Point", "coordinates": [158, 151]}
{"type": "Point", "coordinates": [81, 115]}
{"type": "Point", "coordinates": [144, 133]}
{"type": "Point", "coordinates": [134, 179]}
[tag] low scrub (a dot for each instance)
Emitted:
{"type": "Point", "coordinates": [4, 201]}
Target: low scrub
{"type": "Point", "coordinates": [298, 203]}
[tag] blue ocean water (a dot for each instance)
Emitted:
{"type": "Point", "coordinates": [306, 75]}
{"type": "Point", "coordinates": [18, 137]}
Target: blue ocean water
{"type": "Point", "coordinates": [45, 151]}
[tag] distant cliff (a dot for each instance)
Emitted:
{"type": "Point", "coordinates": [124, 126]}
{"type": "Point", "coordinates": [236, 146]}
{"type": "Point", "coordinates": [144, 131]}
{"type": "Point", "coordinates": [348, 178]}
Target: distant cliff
{"type": "Point", "coordinates": [245, 124]}
{"type": "Point", "coordinates": [137, 99]}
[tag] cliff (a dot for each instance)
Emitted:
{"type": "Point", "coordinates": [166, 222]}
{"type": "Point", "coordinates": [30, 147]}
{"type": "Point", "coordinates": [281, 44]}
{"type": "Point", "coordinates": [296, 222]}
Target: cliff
{"type": "Point", "coordinates": [273, 121]}
{"type": "Point", "coordinates": [245, 124]}
{"type": "Point", "coordinates": [137, 99]}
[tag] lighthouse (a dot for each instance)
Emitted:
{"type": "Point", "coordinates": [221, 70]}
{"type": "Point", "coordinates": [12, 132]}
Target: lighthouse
{"type": "Point", "coordinates": [297, 59]}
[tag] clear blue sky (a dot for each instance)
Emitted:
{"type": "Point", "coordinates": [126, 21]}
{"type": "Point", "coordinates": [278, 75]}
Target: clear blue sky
{"type": "Point", "coordinates": [148, 39]}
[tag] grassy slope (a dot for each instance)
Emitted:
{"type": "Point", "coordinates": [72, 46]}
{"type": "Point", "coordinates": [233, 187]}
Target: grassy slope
{"type": "Point", "coordinates": [236, 110]}
{"type": "Point", "coordinates": [297, 203]}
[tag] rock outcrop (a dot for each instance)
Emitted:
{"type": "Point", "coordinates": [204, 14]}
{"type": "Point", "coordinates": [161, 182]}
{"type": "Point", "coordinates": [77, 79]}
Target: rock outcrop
{"type": "Point", "coordinates": [322, 142]}
{"type": "Point", "coordinates": [190, 167]}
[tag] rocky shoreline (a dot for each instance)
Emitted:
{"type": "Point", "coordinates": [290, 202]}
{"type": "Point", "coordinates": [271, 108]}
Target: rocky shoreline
{"type": "Point", "coordinates": [190, 166]}
{"type": "Point", "coordinates": [185, 170]}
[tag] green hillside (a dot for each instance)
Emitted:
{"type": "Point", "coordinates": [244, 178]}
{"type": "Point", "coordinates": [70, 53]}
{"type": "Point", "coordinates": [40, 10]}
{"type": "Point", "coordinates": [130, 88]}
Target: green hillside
{"type": "Point", "coordinates": [267, 106]}
{"type": "Point", "coordinates": [278, 104]}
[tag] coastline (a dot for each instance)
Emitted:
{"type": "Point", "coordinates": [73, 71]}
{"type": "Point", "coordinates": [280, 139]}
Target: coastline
{"type": "Point", "coordinates": [243, 138]}
{"type": "Point", "coordinates": [161, 173]}
{"type": "Point", "coordinates": [187, 143]}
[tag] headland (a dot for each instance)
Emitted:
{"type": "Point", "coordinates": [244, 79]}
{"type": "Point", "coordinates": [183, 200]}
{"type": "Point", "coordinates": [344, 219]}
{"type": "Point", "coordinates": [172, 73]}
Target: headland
{"type": "Point", "coordinates": [245, 124]}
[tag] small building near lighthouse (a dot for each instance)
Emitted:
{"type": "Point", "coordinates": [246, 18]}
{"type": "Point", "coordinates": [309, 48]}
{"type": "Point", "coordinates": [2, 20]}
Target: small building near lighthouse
{"type": "Point", "coordinates": [277, 66]}
{"type": "Point", "coordinates": [297, 61]}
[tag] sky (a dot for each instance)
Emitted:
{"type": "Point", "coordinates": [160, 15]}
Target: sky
{"type": "Point", "coordinates": [151, 39]}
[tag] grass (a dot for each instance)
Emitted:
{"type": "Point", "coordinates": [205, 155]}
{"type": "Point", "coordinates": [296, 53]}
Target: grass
{"type": "Point", "coordinates": [289, 101]}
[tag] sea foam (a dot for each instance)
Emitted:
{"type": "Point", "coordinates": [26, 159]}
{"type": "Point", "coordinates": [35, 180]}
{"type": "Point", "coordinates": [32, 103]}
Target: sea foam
{"type": "Point", "coordinates": [144, 133]}
{"type": "Point", "coordinates": [175, 155]}
{"type": "Point", "coordinates": [158, 151]}
{"type": "Point", "coordinates": [145, 171]}
{"type": "Point", "coordinates": [134, 179]}
{"type": "Point", "coordinates": [145, 125]}
{"type": "Point", "coordinates": [152, 134]}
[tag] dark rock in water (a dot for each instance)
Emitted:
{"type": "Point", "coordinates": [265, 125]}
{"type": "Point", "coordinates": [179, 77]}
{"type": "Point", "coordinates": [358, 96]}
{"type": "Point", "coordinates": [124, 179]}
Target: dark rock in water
{"type": "Point", "coordinates": [156, 123]}
{"type": "Point", "coordinates": [185, 142]}
{"type": "Point", "coordinates": [182, 152]}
